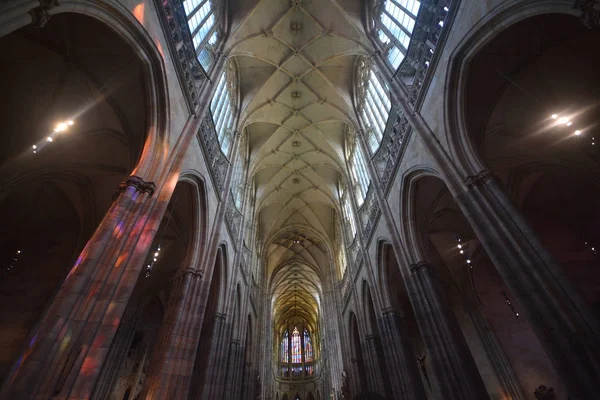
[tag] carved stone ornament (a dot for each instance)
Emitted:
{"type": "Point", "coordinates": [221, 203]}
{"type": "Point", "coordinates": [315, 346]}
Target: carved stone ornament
{"type": "Point", "coordinates": [420, 266]}
{"type": "Point", "coordinates": [257, 388]}
{"type": "Point", "coordinates": [543, 392]}
{"type": "Point", "coordinates": [345, 393]}
{"type": "Point", "coordinates": [590, 12]}
{"type": "Point", "coordinates": [479, 179]}
{"type": "Point", "coordinates": [40, 15]}
{"type": "Point", "coordinates": [139, 184]}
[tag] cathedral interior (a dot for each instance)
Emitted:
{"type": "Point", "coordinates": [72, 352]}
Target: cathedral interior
{"type": "Point", "coordinates": [300, 199]}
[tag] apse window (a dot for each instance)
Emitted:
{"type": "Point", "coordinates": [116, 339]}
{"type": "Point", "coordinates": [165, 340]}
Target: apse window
{"type": "Point", "coordinates": [395, 27]}
{"type": "Point", "coordinates": [202, 24]}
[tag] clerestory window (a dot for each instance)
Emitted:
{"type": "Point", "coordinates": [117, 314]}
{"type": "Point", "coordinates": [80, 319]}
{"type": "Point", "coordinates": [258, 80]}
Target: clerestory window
{"type": "Point", "coordinates": [223, 113]}
{"type": "Point", "coordinates": [358, 172]}
{"type": "Point", "coordinates": [203, 28]}
{"type": "Point", "coordinates": [374, 106]}
{"type": "Point", "coordinates": [395, 27]}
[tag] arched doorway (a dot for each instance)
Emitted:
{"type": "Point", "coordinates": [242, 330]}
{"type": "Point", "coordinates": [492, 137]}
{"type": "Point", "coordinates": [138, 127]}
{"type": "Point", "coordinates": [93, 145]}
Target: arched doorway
{"type": "Point", "coordinates": [53, 196]}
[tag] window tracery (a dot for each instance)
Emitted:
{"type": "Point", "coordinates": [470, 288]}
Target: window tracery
{"type": "Point", "coordinates": [308, 350]}
{"type": "Point", "coordinates": [285, 356]}
{"type": "Point", "coordinates": [373, 103]}
{"type": "Point", "coordinates": [203, 28]}
{"type": "Point", "coordinates": [297, 353]}
{"type": "Point", "coordinates": [223, 109]}
{"type": "Point", "coordinates": [358, 170]}
{"type": "Point", "coordinates": [296, 347]}
{"type": "Point", "coordinates": [394, 27]}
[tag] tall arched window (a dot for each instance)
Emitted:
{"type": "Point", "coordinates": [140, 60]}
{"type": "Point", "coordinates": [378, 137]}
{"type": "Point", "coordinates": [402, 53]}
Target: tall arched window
{"type": "Point", "coordinates": [237, 183]}
{"type": "Point", "coordinates": [285, 355]}
{"type": "Point", "coordinates": [358, 173]}
{"type": "Point", "coordinates": [296, 347]}
{"type": "Point", "coordinates": [202, 23]}
{"type": "Point", "coordinates": [308, 349]}
{"type": "Point", "coordinates": [222, 108]}
{"type": "Point", "coordinates": [373, 103]}
{"type": "Point", "coordinates": [395, 26]}
{"type": "Point", "coordinates": [349, 215]}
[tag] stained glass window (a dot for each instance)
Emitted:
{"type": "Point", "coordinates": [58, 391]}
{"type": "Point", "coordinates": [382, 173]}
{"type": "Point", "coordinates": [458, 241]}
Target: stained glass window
{"type": "Point", "coordinates": [285, 356]}
{"type": "Point", "coordinates": [296, 347]}
{"type": "Point", "coordinates": [308, 348]}
{"type": "Point", "coordinates": [309, 370]}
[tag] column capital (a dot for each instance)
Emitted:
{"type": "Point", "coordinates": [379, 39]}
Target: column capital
{"type": "Point", "coordinates": [191, 272]}
{"type": "Point", "coordinates": [220, 316]}
{"type": "Point", "coordinates": [480, 178]}
{"type": "Point", "coordinates": [139, 184]}
{"type": "Point", "coordinates": [40, 15]}
{"type": "Point", "coordinates": [390, 311]}
{"type": "Point", "coordinates": [420, 266]}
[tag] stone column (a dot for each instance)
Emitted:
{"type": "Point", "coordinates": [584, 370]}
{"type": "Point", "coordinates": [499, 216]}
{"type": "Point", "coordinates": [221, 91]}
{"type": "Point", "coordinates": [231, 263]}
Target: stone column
{"type": "Point", "coordinates": [504, 371]}
{"type": "Point", "coordinates": [214, 380]}
{"type": "Point", "coordinates": [451, 361]}
{"type": "Point", "coordinates": [68, 348]}
{"type": "Point", "coordinates": [113, 365]}
{"type": "Point", "coordinates": [331, 340]}
{"type": "Point", "coordinates": [172, 361]}
{"type": "Point", "coordinates": [562, 319]}
{"type": "Point", "coordinates": [233, 371]}
{"type": "Point", "coordinates": [400, 358]}
{"type": "Point", "coordinates": [374, 364]}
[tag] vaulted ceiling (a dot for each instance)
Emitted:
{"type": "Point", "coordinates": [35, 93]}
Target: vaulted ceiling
{"type": "Point", "coordinates": [296, 61]}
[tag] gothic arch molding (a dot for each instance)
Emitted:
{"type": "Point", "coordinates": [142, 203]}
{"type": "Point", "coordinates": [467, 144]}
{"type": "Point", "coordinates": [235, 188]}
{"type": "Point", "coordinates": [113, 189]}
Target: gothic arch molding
{"type": "Point", "coordinates": [502, 18]}
{"type": "Point", "coordinates": [121, 21]}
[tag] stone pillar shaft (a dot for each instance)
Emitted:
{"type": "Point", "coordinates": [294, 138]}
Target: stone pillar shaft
{"type": "Point", "coordinates": [400, 359]}
{"type": "Point", "coordinates": [449, 357]}
{"type": "Point", "coordinates": [562, 319]}
{"type": "Point", "coordinates": [217, 360]}
{"type": "Point", "coordinates": [69, 346]}
{"type": "Point", "coordinates": [172, 361]}
{"type": "Point", "coordinates": [374, 365]}
{"type": "Point", "coordinates": [504, 371]}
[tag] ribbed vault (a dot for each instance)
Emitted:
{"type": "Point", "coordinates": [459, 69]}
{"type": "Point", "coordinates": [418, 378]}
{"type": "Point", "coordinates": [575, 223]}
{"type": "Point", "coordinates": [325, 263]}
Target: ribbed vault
{"type": "Point", "coordinates": [296, 61]}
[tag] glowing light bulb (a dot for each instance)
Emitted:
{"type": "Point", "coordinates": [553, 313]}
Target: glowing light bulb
{"type": "Point", "coordinates": [19, 251]}
{"type": "Point", "coordinates": [554, 116]}
{"type": "Point", "coordinates": [156, 254]}
{"type": "Point", "coordinates": [460, 246]}
{"type": "Point", "coordinates": [569, 123]}
{"type": "Point", "coordinates": [462, 251]}
{"type": "Point", "coordinates": [577, 132]}
{"type": "Point", "coordinates": [468, 261]}
{"type": "Point", "coordinates": [517, 314]}
{"type": "Point", "coordinates": [446, 9]}
{"type": "Point", "coordinates": [49, 139]}
{"type": "Point", "coordinates": [70, 122]}
{"type": "Point", "coordinates": [563, 120]}
{"type": "Point", "coordinates": [34, 147]}
{"type": "Point", "coordinates": [155, 259]}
